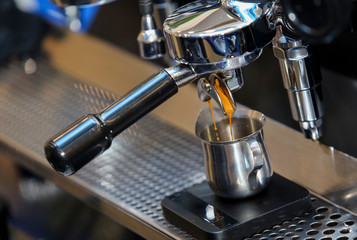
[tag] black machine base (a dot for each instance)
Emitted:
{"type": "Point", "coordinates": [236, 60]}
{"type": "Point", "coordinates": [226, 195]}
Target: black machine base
{"type": "Point", "coordinates": [198, 211]}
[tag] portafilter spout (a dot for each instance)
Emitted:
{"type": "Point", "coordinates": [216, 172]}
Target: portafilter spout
{"type": "Point", "coordinates": [227, 82]}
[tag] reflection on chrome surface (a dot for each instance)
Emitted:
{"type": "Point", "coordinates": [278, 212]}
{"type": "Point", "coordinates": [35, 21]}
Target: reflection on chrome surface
{"type": "Point", "coordinates": [214, 32]}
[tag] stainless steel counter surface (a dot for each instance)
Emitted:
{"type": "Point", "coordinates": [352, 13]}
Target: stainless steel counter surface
{"type": "Point", "coordinates": [155, 157]}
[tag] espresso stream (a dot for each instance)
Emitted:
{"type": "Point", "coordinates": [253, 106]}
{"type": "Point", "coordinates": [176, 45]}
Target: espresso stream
{"type": "Point", "coordinates": [227, 105]}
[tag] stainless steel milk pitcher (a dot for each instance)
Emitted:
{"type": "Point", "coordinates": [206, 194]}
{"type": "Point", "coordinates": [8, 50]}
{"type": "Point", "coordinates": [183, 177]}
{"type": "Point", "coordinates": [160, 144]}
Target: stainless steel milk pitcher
{"type": "Point", "coordinates": [236, 166]}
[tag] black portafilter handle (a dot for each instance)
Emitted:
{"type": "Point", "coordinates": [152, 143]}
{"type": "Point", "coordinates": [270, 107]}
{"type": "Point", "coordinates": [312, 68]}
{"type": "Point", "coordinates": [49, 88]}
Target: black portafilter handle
{"type": "Point", "coordinates": [318, 21]}
{"type": "Point", "coordinates": [91, 135]}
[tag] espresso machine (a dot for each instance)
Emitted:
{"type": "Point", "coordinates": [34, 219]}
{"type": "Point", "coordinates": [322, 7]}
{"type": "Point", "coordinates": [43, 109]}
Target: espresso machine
{"type": "Point", "coordinates": [151, 179]}
{"type": "Point", "coordinates": [216, 40]}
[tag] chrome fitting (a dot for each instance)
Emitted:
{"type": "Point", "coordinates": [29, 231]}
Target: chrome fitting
{"type": "Point", "coordinates": [302, 80]}
{"type": "Point", "coordinates": [150, 39]}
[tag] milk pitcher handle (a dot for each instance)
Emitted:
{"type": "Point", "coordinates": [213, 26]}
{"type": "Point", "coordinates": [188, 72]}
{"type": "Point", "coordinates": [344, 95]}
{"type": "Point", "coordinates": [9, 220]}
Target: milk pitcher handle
{"type": "Point", "coordinates": [256, 150]}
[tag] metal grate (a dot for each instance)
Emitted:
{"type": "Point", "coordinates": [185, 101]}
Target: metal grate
{"type": "Point", "coordinates": [147, 162]}
{"type": "Point", "coordinates": [324, 222]}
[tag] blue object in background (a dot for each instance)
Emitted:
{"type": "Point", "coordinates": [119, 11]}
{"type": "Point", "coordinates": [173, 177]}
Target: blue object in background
{"type": "Point", "coordinates": [56, 15]}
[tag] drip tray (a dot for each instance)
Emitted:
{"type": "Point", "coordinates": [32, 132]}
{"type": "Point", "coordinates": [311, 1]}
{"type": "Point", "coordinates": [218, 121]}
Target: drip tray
{"type": "Point", "coordinates": [199, 212]}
